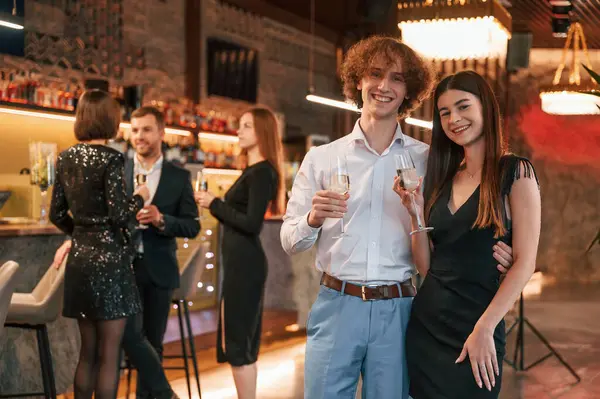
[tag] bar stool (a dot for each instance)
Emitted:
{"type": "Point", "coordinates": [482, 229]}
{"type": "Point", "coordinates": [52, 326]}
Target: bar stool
{"type": "Point", "coordinates": [189, 275]}
{"type": "Point", "coordinates": [8, 281]}
{"type": "Point", "coordinates": [34, 311]}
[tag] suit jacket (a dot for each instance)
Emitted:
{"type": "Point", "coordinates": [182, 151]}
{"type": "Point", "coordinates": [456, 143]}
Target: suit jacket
{"type": "Point", "coordinates": [174, 198]}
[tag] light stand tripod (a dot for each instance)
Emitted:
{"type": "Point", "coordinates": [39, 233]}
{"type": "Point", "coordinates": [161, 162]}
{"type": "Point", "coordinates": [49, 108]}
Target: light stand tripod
{"type": "Point", "coordinates": [519, 354]}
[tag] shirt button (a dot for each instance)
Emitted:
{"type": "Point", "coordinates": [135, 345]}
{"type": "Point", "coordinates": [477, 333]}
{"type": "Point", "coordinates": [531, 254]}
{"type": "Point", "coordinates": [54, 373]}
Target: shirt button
{"type": "Point", "coordinates": [374, 243]}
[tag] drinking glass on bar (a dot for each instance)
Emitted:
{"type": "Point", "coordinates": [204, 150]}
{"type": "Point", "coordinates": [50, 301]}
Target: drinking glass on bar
{"type": "Point", "coordinates": [140, 180]}
{"type": "Point", "coordinates": [201, 185]}
{"type": "Point", "coordinates": [42, 158]}
{"type": "Point", "coordinates": [409, 180]}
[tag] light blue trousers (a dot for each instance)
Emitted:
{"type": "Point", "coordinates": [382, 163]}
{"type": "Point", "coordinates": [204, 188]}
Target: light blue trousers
{"type": "Point", "coordinates": [347, 337]}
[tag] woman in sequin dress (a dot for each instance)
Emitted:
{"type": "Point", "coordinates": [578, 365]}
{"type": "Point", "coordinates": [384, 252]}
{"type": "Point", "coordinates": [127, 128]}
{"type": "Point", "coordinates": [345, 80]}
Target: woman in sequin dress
{"type": "Point", "coordinates": [89, 203]}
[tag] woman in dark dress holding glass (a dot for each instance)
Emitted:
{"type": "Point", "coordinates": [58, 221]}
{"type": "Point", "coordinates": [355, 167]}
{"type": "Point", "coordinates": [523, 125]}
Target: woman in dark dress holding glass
{"type": "Point", "coordinates": [241, 213]}
{"type": "Point", "coordinates": [476, 194]}
{"type": "Point", "coordinates": [89, 203]}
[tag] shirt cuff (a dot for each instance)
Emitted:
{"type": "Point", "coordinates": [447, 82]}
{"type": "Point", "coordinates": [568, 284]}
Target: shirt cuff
{"type": "Point", "coordinates": [304, 229]}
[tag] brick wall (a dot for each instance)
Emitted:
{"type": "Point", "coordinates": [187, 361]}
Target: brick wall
{"type": "Point", "coordinates": [283, 66]}
{"type": "Point", "coordinates": [152, 52]}
{"type": "Point", "coordinates": [159, 28]}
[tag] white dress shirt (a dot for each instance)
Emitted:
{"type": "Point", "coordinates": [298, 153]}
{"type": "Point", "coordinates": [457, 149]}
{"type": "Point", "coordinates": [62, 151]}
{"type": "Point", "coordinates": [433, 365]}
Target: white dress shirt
{"type": "Point", "coordinates": [378, 247]}
{"type": "Point", "coordinates": [152, 179]}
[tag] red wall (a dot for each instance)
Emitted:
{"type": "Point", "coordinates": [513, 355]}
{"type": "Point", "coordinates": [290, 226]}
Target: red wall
{"type": "Point", "coordinates": [567, 139]}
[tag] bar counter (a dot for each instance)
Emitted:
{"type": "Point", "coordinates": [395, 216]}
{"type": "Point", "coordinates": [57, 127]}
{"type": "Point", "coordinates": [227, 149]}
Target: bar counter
{"type": "Point", "coordinates": [19, 230]}
{"type": "Point", "coordinates": [293, 281]}
{"type": "Point", "coordinates": [33, 246]}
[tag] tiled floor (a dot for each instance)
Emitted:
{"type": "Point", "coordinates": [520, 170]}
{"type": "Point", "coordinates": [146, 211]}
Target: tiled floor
{"type": "Point", "coordinates": [568, 315]}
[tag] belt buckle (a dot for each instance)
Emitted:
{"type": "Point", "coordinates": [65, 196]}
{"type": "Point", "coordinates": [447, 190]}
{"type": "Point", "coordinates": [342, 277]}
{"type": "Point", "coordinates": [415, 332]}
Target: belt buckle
{"type": "Point", "coordinates": [364, 293]}
{"type": "Point", "coordinates": [382, 292]}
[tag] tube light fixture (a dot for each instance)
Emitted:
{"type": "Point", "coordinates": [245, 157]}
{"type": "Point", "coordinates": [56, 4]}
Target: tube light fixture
{"type": "Point", "coordinates": [351, 107]}
{"type": "Point", "coordinates": [228, 172]}
{"type": "Point", "coordinates": [10, 25]}
{"type": "Point", "coordinates": [216, 136]}
{"type": "Point", "coordinates": [70, 118]}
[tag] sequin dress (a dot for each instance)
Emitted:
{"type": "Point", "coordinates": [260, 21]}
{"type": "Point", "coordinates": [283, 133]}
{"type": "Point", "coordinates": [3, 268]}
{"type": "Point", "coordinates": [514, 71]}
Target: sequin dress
{"type": "Point", "coordinates": [90, 204]}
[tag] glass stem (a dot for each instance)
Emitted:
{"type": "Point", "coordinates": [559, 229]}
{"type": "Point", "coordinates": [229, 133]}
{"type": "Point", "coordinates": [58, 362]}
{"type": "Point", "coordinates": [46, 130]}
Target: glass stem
{"type": "Point", "coordinates": [202, 210]}
{"type": "Point", "coordinates": [342, 225]}
{"type": "Point", "coordinates": [419, 223]}
{"type": "Point", "coordinates": [43, 207]}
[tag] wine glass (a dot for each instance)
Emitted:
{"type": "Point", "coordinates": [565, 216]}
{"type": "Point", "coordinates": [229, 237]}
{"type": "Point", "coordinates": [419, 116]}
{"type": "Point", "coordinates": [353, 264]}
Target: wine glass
{"type": "Point", "coordinates": [201, 185]}
{"type": "Point", "coordinates": [339, 182]}
{"type": "Point", "coordinates": [409, 180]}
{"type": "Point", "coordinates": [140, 180]}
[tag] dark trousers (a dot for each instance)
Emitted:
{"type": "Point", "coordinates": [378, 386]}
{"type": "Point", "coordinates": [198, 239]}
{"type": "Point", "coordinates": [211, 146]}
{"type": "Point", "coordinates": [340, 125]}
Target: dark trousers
{"type": "Point", "coordinates": [145, 359]}
{"type": "Point", "coordinates": [156, 303]}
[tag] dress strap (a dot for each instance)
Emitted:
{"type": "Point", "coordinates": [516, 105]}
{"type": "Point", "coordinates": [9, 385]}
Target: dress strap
{"type": "Point", "coordinates": [513, 168]}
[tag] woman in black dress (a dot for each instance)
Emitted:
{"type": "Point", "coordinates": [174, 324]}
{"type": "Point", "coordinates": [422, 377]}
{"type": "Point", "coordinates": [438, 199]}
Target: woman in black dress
{"type": "Point", "coordinates": [258, 189]}
{"type": "Point", "coordinates": [89, 203]}
{"type": "Point", "coordinates": [476, 193]}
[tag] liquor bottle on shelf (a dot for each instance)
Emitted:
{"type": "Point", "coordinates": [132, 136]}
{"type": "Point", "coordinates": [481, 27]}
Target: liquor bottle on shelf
{"type": "Point", "coordinates": [200, 156]}
{"type": "Point", "coordinates": [76, 96]}
{"type": "Point", "coordinates": [3, 86]}
{"type": "Point", "coordinates": [229, 156]}
{"type": "Point", "coordinates": [206, 149]}
{"type": "Point", "coordinates": [221, 156]}
{"type": "Point", "coordinates": [170, 115]}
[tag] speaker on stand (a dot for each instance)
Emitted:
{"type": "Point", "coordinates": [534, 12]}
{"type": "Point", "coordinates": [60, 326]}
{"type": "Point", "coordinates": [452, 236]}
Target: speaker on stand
{"type": "Point", "coordinates": [519, 47]}
{"type": "Point", "coordinates": [517, 57]}
{"type": "Point", "coordinates": [100, 84]}
{"type": "Point", "coordinates": [132, 100]}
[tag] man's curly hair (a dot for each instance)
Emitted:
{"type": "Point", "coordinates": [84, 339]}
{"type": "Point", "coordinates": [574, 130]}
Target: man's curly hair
{"type": "Point", "coordinates": [418, 74]}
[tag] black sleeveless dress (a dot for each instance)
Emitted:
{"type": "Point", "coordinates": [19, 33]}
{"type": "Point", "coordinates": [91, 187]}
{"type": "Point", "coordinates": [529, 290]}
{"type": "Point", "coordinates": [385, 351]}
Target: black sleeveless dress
{"type": "Point", "coordinates": [461, 283]}
{"type": "Point", "coordinates": [245, 268]}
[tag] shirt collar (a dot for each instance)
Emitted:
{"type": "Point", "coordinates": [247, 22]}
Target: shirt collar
{"type": "Point", "coordinates": [138, 165]}
{"type": "Point", "coordinates": [357, 135]}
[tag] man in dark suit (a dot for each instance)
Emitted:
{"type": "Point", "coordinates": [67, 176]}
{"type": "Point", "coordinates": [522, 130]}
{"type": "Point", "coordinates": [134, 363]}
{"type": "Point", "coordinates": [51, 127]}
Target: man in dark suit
{"type": "Point", "coordinates": [171, 212]}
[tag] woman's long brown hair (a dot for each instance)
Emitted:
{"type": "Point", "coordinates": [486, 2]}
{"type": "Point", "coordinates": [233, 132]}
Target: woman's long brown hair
{"type": "Point", "coordinates": [445, 156]}
{"type": "Point", "coordinates": [270, 147]}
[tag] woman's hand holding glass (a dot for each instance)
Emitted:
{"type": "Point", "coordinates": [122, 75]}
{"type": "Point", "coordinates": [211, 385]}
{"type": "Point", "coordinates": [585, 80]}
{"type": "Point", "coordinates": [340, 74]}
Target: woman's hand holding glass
{"type": "Point", "coordinates": [204, 198]}
{"type": "Point", "coordinates": [200, 187]}
{"type": "Point", "coordinates": [405, 195]}
{"type": "Point", "coordinates": [407, 184]}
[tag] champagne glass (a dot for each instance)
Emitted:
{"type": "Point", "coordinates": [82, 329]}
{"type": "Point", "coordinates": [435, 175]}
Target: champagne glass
{"type": "Point", "coordinates": [409, 180]}
{"type": "Point", "coordinates": [140, 180]}
{"type": "Point", "coordinates": [201, 185]}
{"type": "Point", "coordinates": [339, 183]}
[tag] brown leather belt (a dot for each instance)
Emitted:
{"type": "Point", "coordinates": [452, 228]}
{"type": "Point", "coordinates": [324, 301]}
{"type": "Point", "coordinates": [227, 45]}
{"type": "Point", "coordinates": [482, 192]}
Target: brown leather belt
{"type": "Point", "coordinates": [370, 293]}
